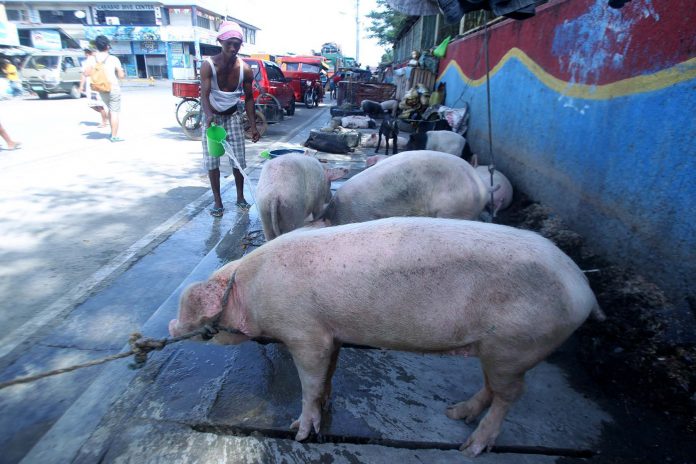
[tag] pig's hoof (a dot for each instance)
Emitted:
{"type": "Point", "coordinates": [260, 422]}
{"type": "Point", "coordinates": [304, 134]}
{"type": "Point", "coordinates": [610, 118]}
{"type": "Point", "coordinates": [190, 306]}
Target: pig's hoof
{"type": "Point", "coordinates": [474, 445]}
{"type": "Point", "coordinates": [303, 429]}
{"type": "Point", "coordinates": [471, 450]}
{"type": "Point", "coordinates": [301, 435]}
{"type": "Point", "coordinates": [464, 410]}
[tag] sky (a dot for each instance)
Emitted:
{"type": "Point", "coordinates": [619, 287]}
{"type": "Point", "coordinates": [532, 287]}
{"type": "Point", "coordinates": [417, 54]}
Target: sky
{"type": "Point", "coordinates": [300, 26]}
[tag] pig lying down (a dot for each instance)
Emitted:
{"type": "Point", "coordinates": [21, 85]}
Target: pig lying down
{"type": "Point", "coordinates": [371, 141]}
{"type": "Point", "coordinates": [426, 285]}
{"type": "Point", "coordinates": [441, 140]}
{"type": "Point", "coordinates": [411, 183]}
{"type": "Point", "coordinates": [291, 187]}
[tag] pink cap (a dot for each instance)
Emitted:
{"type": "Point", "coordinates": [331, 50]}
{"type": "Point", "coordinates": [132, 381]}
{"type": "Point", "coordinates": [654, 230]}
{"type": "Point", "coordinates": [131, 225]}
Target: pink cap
{"type": "Point", "coordinates": [230, 30]}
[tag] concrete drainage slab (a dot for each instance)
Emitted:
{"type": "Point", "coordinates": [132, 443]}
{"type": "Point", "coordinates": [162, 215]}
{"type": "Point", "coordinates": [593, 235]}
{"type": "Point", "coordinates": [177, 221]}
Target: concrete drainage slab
{"type": "Point", "coordinates": [243, 398]}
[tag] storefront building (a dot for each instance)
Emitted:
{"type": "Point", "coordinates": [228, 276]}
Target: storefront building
{"type": "Point", "coordinates": [152, 39]}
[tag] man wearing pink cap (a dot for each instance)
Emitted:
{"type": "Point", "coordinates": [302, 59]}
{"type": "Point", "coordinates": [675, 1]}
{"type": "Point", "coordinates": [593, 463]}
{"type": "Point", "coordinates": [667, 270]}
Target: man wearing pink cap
{"type": "Point", "coordinates": [224, 77]}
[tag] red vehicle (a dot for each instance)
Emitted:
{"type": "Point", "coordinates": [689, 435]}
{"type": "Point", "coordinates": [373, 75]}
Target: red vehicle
{"type": "Point", "coordinates": [272, 95]}
{"type": "Point", "coordinates": [305, 75]}
{"type": "Point", "coordinates": [271, 82]}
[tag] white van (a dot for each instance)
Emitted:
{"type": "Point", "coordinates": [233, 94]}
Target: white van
{"type": "Point", "coordinates": [49, 72]}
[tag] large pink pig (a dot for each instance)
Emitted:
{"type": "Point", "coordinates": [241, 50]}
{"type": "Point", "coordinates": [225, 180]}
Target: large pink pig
{"type": "Point", "coordinates": [290, 188]}
{"type": "Point", "coordinates": [502, 188]}
{"type": "Point", "coordinates": [429, 285]}
{"type": "Point", "coordinates": [411, 183]}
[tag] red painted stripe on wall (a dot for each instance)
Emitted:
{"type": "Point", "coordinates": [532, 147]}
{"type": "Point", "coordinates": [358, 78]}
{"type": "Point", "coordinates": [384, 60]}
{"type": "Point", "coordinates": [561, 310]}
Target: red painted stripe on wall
{"type": "Point", "coordinates": [585, 41]}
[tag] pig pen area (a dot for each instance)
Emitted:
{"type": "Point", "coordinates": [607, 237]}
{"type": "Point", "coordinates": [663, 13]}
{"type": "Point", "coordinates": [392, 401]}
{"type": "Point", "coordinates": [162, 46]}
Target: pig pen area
{"type": "Point", "coordinates": [622, 388]}
{"type": "Point", "coordinates": [644, 369]}
{"type": "Point", "coordinates": [644, 354]}
{"type": "Point", "coordinates": [641, 359]}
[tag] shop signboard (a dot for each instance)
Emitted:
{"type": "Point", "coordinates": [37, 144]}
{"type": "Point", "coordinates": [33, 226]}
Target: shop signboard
{"type": "Point", "coordinates": [177, 48]}
{"type": "Point", "coordinates": [8, 34]}
{"type": "Point", "coordinates": [177, 34]}
{"type": "Point", "coordinates": [149, 47]}
{"type": "Point", "coordinates": [45, 39]}
{"type": "Point", "coordinates": [127, 33]}
{"type": "Point", "coordinates": [207, 37]}
{"type": "Point", "coordinates": [123, 7]}
{"type": "Point", "coordinates": [120, 48]}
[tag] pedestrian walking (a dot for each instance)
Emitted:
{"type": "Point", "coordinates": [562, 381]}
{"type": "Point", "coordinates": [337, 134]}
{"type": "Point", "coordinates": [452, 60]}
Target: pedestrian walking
{"type": "Point", "coordinates": [105, 70]}
{"type": "Point", "coordinates": [11, 144]}
{"type": "Point", "coordinates": [337, 77]}
{"type": "Point", "coordinates": [10, 72]}
{"type": "Point", "coordinates": [224, 78]}
{"type": "Point", "coordinates": [94, 101]}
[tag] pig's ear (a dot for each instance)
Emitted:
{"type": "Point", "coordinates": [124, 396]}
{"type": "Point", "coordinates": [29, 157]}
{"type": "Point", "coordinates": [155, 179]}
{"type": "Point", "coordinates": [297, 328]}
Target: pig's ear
{"type": "Point", "coordinates": [474, 160]}
{"type": "Point", "coordinates": [203, 299]}
{"type": "Point", "coordinates": [335, 173]}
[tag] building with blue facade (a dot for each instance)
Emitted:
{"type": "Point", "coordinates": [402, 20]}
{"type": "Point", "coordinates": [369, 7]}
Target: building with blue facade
{"type": "Point", "coordinates": [152, 39]}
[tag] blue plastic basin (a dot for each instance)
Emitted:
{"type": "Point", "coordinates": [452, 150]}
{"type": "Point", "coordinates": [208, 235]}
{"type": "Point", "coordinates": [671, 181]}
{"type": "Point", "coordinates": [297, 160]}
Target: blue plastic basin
{"type": "Point", "coordinates": [284, 151]}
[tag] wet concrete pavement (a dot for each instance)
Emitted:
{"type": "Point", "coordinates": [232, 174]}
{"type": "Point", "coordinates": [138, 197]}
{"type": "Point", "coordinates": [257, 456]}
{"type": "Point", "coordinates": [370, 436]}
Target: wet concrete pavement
{"type": "Point", "coordinates": [202, 402]}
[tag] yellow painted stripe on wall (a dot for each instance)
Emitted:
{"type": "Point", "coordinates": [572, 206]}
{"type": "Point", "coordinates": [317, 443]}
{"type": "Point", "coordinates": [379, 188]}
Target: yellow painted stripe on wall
{"type": "Point", "coordinates": [640, 84]}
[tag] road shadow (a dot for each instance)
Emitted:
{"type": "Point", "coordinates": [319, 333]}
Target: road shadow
{"type": "Point", "coordinates": [172, 133]}
{"type": "Point", "coordinates": [97, 135]}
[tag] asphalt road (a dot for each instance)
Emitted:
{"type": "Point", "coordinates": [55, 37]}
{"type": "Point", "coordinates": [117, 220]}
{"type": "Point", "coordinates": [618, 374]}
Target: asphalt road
{"type": "Point", "coordinates": [76, 209]}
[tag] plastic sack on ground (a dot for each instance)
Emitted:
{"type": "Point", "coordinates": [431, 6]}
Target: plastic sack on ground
{"type": "Point", "coordinates": [457, 118]}
{"type": "Point", "coordinates": [341, 142]}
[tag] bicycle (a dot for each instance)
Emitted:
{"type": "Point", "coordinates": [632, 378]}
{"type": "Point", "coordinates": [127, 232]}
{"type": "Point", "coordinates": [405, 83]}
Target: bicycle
{"type": "Point", "coordinates": [188, 111]}
{"type": "Point", "coordinates": [186, 105]}
{"type": "Point", "coordinates": [191, 124]}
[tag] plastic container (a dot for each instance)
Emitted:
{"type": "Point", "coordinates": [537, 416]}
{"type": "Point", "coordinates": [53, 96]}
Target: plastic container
{"type": "Point", "coordinates": [186, 89]}
{"type": "Point", "coordinates": [215, 135]}
{"type": "Point", "coordinates": [284, 151]}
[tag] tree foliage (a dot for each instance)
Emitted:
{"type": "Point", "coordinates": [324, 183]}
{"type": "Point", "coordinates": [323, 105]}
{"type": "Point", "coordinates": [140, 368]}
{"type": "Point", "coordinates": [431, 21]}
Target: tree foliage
{"type": "Point", "coordinates": [386, 23]}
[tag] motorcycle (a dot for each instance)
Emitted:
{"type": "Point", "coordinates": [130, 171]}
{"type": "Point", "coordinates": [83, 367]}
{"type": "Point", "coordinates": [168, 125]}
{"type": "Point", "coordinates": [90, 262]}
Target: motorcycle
{"type": "Point", "coordinates": [305, 74]}
{"type": "Point", "coordinates": [312, 92]}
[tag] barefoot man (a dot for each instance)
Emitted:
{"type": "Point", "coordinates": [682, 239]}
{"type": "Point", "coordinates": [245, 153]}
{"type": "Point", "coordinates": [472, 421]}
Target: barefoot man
{"type": "Point", "coordinates": [224, 77]}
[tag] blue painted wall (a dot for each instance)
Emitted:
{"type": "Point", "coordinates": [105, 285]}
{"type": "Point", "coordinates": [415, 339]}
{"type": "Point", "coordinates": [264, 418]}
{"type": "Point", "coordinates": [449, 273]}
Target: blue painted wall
{"type": "Point", "coordinates": [619, 166]}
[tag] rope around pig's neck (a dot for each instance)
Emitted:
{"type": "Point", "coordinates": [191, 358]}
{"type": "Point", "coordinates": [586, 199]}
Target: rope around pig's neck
{"type": "Point", "coordinates": [140, 346]}
{"type": "Point", "coordinates": [215, 327]}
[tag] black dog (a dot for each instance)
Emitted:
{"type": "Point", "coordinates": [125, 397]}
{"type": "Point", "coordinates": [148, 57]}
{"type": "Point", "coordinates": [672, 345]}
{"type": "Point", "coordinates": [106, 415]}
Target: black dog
{"type": "Point", "coordinates": [390, 130]}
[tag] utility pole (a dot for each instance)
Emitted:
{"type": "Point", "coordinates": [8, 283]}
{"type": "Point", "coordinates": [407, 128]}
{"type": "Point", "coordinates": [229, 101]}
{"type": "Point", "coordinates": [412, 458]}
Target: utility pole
{"type": "Point", "coordinates": [357, 31]}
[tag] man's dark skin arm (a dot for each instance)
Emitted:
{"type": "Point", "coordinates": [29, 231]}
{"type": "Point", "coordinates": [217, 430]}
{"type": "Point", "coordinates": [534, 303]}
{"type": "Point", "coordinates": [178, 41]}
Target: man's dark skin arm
{"type": "Point", "coordinates": [206, 76]}
{"type": "Point", "coordinates": [249, 102]}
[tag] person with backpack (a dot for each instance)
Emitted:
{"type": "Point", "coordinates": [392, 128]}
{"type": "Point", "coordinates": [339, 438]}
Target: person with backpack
{"type": "Point", "coordinates": [104, 71]}
{"type": "Point", "coordinates": [93, 99]}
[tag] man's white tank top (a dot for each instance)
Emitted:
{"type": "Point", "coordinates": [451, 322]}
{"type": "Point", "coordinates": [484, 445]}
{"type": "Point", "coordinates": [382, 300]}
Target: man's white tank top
{"type": "Point", "coordinates": [219, 99]}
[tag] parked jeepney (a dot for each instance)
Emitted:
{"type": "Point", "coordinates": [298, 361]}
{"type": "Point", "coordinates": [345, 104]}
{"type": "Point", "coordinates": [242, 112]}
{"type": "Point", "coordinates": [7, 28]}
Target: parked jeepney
{"type": "Point", "coordinates": [305, 74]}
